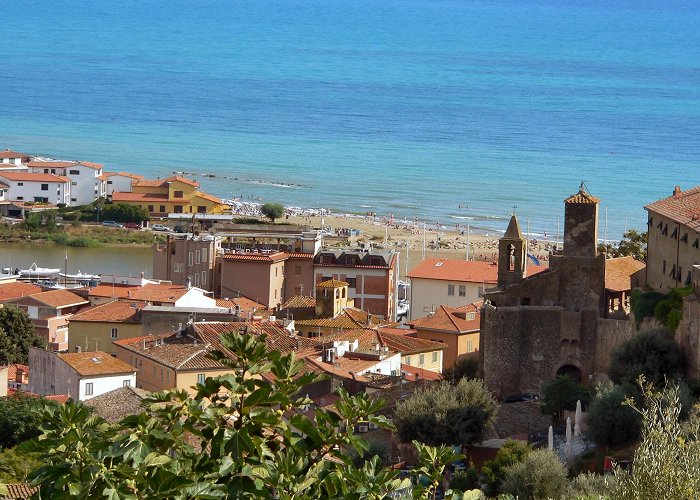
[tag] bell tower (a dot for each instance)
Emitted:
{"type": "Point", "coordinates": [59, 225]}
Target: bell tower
{"type": "Point", "coordinates": [512, 252]}
{"type": "Point", "coordinates": [581, 224]}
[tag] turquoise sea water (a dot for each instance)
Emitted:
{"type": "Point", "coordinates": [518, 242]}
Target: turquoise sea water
{"type": "Point", "coordinates": [409, 107]}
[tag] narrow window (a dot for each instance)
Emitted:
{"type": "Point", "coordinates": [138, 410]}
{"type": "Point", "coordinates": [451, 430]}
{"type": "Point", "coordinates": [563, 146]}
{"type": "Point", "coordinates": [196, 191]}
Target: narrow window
{"type": "Point", "coordinates": [450, 290]}
{"type": "Point", "coordinates": [435, 356]}
{"type": "Point", "coordinates": [200, 378]}
{"type": "Point", "coordinates": [115, 333]}
{"type": "Point", "coordinates": [408, 360]}
{"type": "Point", "coordinates": [462, 290]}
{"type": "Point", "coordinates": [126, 383]}
{"type": "Point", "coordinates": [88, 389]}
{"type": "Point", "coordinates": [421, 359]}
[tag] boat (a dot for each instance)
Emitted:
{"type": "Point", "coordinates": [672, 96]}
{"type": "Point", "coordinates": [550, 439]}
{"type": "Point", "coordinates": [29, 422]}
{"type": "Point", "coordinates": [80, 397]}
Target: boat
{"type": "Point", "coordinates": [80, 276]}
{"type": "Point", "coordinates": [402, 308]}
{"type": "Point", "coordinates": [36, 272]}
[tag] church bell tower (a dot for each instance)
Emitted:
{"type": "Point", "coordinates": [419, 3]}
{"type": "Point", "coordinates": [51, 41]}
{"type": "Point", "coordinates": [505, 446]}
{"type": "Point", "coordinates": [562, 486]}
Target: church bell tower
{"type": "Point", "coordinates": [512, 252]}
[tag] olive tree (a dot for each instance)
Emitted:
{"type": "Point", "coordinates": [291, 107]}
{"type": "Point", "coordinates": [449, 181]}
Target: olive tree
{"type": "Point", "coordinates": [272, 211]}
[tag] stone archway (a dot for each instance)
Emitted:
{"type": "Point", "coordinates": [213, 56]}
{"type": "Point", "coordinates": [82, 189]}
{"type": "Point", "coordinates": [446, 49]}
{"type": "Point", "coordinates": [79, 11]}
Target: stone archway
{"type": "Point", "coordinates": [572, 371]}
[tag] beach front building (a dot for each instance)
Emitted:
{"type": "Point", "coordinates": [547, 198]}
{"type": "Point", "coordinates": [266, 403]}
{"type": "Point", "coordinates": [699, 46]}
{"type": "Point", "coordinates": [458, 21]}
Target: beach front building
{"type": "Point", "coordinates": [35, 187]}
{"type": "Point", "coordinates": [14, 158]}
{"type": "Point", "coordinates": [257, 276]}
{"type": "Point", "coordinates": [371, 277]}
{"type": "Point", "coordinates": [184, 258]}
{"type": "Point", "coordinates": [457, 328]}
{"type": "Point", "coordinates": [171, 195]}
{"type": "Point", "coordinates": [50, 312]}
{"type": "Point", "coordinates": [119, 181]}
{"type": "Point", "coordinates": [87, 182]}
{"type": "Point", "coordinates": [673, 246]}
{"type": "Point", "coordinates": [80, 375]}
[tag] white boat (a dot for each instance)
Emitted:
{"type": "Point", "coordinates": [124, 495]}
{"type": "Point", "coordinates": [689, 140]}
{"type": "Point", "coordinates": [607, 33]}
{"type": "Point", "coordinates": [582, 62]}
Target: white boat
{"type": "Point", "coordinates": [402, 308]}
{"type": "Point", "coordinates": [39, 272]}
{"type": "Point", "coordinates": [80, 276]}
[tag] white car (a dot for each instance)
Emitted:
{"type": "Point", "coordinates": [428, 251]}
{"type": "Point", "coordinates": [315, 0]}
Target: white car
{"type": "Point", "coordinates": [160, 227]}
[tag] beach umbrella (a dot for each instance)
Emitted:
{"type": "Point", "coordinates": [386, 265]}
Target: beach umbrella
{"type": "Point", "coordinates": [577, 419]}
{"type": "Point", "coordinates": [550, 439]}
{"type": "Point", "coordinates": [568, 436]}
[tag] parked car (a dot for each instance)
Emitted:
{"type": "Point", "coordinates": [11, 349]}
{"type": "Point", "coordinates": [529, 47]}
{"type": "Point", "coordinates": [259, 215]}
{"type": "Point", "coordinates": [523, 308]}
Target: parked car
{"type": "Point", "coordinates": [111, 223]}
{"type": "Point", "coordinates": [132, 225]}
{"type": "Point", "coordinates": [160, 227]}
{"type": "Point", "coordinates": [525, 396]}
{"type": "Point", "coordinates": [180, 229]}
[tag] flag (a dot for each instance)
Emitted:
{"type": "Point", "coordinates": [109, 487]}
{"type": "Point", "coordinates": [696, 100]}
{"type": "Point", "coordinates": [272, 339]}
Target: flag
{"type": "Point", "coordinates": [534, 259]}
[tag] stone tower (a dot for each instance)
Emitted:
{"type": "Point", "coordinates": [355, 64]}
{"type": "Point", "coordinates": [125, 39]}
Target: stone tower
{"type": "Point", "coordinates": [581, 224]}
{"type": "Point", "coordinates": [512, 252]}
{"type": "Point", "coordinates": [331, 298]}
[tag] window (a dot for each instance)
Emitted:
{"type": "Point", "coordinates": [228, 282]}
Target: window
{"type": "Point", "coordinates": [674, 234]}
{"type": "Point", "coordinates": [684, 238]}
{"type": "Point", "coordinates": [469, 346]}
{"type": "Point", "coordinates": [673, 271]}
{"type": "Point", "coordinates": [326, 278]}
{"type": "Point", "coordinates": [74, 199]}
{"type": "Point", "coordinates": [435, 357]}
{"type": "Point", "coordinates": [421, 359]}
{"type": "Point", "coordinates": [327, 259]}
{"type": "Point", "coordinates": [450, 290]}
{"type": "Point", "coordinates": [200, 378]}
{"type": "Point", "coordinates": [88, 389]}
{"type": "Point", "coordinates": [109, 183]}
{"type": "Point", "coordinates": [126, 383]}
{"type": "Point", "coordinates": [40, 199]}
{"type": "Point", "coordinates": [20, 198]}
{"type": "Point", "coordinates": [162, 209]}
{"type": "Point", "coordinates": [20, 183]}
{"type": "Point", "coordinates": [150, 208]}
{"type": "Point", "coordinates": [204, 254]}
{"type": "Point", "coordinates": [696, 243]}
{"type": "Point", "coordinates": [178, 194]}
{"type": "Point", "coordinates": [408, 360]}
{"type": "Point", "coordinates": [196, 279]}
{"type": "Point", "coordinates": [198, 256]}
{"type": "Point", "coordinates": [73, 183]}
{"type": "Point", "coordinates": [275, 293]}
{"type": "Point", "coordinates": [663, 267]}
{"type": "Point", "coordinates": [190, 259]}
{"type": "Point", "coordinates": [177, 267]}
{"type": "Point", "coordinates": [204, 278]}
{"type": "Point", "coordinates": [462, 290]}
{"type": "Point", "coordinates": [297, 270]}
{"type": "Point", "coordinates": [201, 209]}
{"type": "Point", "coordinates": [115, 333]}
{"type": "Point", "coordinates": [178, 209]}
{"type": "Point", "coordinates": [44, 187]}
{"type": "Point", "coordinates": [352, 282]}
{"type": "Point", "coordinates": [74, 172]}
{"type": "Point", "coordinates": [375, 261]}
{"type": "Point", "coordinates": [664, 231]}
{"type": "Point", "coordinates": [161, 374]}
{"type": "Point", "coordinates": [276, 270]}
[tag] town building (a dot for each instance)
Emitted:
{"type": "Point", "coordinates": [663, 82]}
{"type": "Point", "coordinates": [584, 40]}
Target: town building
{"type": "Point", "coordinates": [457, 328]}
{"type": "Point", "coordinates": [37, 188]}
{"type": "Point", "coordinates": [559, 321]}
{"type": "Point", "coordinates": [371, 276]}
{"type": "Point", "coordinates": [119, 181]}
{"type": "Point", "coordinates": [171, 195]}
{"type": "Point", "coordinates": [17, 289]}
{"type": "Point", "coordinates": [452, 283]}
{"type": "Point", "coordinates": [81, 375]}
{"type": "Point", "coordinates": [9, 157]}
{"type": "Point", "coordinates": [86, 180]}
{"type": "Point", "coordinates": [155, 293]}
{"type": "Point", "coordinates": [50, 312]}
{"type": "Point", "coordinates": [673, 246]}
{"type": "Point", "coordinates": [184, 258]}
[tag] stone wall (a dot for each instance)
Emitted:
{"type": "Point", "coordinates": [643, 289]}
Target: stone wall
{"type": "Point", "coordinates": [611, 333]}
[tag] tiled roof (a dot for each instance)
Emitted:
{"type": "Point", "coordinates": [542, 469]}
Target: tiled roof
{"type": "Point", "coordinates": [343, 320]}
{"type": "Point", "coordinates": [450, 319]}
{"type": "Point", "coordinates": [396, 330]}
{"type": "Point", "coordinates": [105, 290]}
{"type": "Point", "coordinates": [247, 305]}
{"type": "Point", "coordinates": [93, 165]}
{"type": "Point", "coordinates": [8, 153]}
{"type": "Point", "coordinates": [413, 373]}
{"type": "Point", "coordinates": [59, 298]}
{"type": "Point", "coordinates": [158, 292]}
{"type": "Point", "coordinates": [518, 418]}
{"type": "Point", "coordinates": [582, 196]}
{"type": "Point", "coordinates": [12, 371]}
{"type": "Point", "coordinates": [118, 196]}
{"type": "Point", "coordinates": [208, 197]}
{"type": "Point", "coordinates": [299, 301]}
{"type": "Point", "coordinates": [59, 398]}
{"type": "Point", "coordinates": [123, 174]}
{"type": "Point", "coordinates": [618, 272]}
{"type": "Point", "coordinates": [260, 257]}
{"type": "Point", "coordinates": [276, 337]}
{"type": "Point", "coordinates": [472, 271]}
{"type": "Point", "coordinates": [119, 403]}
{"type": "Point", "coordinates": [30, 177]}
{"type": "Point", "coordinates": [3, 185]}
{"type": "Point", "coordinates": [682, 207]}
{"type": "Point", "coordinates": [51, 164]}
{"type": "Point", "coordinates": [10, 291]}
{"type": "Point", "coordinates": [178, 352]}
{"type": "Point", "coordinates": [300, 255]}
{"type": "Point", "coordinates": [332, 284]}
{"type": "Point", "coordinates": [111, 312]}
{"type": "Point", "coordinates": [369, 338]}
{"type": "Point", "coordinates": [344, 366]}
{"type": "Point", "coordinates": [19, 491]}
{"type": "Point", "coordinates": [163, 182]}
{"type": "Point", "coordinates": [94, 363]}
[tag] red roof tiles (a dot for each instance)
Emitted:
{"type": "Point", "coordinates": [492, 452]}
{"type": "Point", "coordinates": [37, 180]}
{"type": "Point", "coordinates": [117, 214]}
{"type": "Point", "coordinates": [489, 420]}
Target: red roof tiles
{"type": "Point", "coordinates": [260, 257]}
{"type": "Point", "coordinates": [7, 153]}
{"type": "Point", "coordinates": [30, 177]}
{"type": "Point", "coordinates": [682, 207]}
{"type": "Point", "coordinates": [472, 271]}
{"type": "Point", "coordinates": [9, 291]}
{"type": "Point", "coordinates": [618, 272]}
{"type": "Point", "coordinates": [94, 363]}
{"type": "Point", "coordinates": [111, 312]}
{"type": "Point", "coordinates": [58, 298]}
{"type": "Point", "coordinates": [455, 320]}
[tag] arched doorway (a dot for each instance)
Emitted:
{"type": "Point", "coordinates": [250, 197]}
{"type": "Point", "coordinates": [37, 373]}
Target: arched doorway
{"type": "Point", "coordinates": [570, 371]}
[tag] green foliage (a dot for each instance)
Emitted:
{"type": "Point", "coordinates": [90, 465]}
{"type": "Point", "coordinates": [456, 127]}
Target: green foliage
{"type": "Point", "coordinates": [464, 480]}
{"type": "Point", "coordinates": [667, 461]}
{"type": "Point", "coordinates": [540, 475]}
{"type": "Point", "coordinates": [667, 309]}
{"type": "Point", "coordinates": [652, 353]}
{"type": "Point", "coordinates": [644, 303]}
{"type": "Point", "coordinates": [561, 394]}
{"type": "Point", "coordinates": [633, 244]}
{"type": "Point", "coordinates": [592, 486]}
{"type": "Point", "coordinates": [464, 367]}
{"type": "Point", "coordinates": [16, 465]}
{"type": "Point", "coordinates": [446, 414]}
{"type": "Point", "coordinates": [20, 418]}
{"type": "Point", "coordinates": [240, 436]}
{"type": "Point", "coordinates": [512, 452]}
{"type": "Point", "coordinates": [272, 211]}
{"type": "Point", "coordinates": [610, 422]}
{"type": "Point", "coordinates": [17, 335]}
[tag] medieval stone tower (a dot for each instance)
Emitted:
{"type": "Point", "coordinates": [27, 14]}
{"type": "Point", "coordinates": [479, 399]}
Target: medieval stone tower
{"type": "Point", "coordinates": [581, 224]}
{"type": "Point", "coordinates": [512, 253]}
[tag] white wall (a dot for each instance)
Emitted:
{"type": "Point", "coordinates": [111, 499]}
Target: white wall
{"type": "Point", "coordinates": [195, 298]}
{"type": "Point", "coordinates": [100, 385]}
{"type": "Point", "coordinates": [427, 295]}
{"type": "Point", "coordinates": [85, 187]}
{"type": "Point", "coordinates": [387, 365]}
{"type": "Point", "coordinates": [118, 183]}
{"type": "Point", "coordinates": [58, 192]}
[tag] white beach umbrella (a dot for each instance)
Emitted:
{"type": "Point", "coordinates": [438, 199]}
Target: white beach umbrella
{"type": "Point", "coordinates": [550, 439]}
{"type": "Point", "coordinates": [568, 436]}
{"type": "Point", "coordinates": [577, 419]}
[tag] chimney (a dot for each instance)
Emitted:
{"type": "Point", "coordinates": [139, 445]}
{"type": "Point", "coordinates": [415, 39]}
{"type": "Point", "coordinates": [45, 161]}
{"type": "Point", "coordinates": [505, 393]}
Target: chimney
{"type": "Point", "coordinates": [676, 191]}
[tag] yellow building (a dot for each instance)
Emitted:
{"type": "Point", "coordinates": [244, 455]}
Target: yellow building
{"type": "Point", "coordinates": [97, 327]}
{"type": "Point", "coordinates": [174, 194]}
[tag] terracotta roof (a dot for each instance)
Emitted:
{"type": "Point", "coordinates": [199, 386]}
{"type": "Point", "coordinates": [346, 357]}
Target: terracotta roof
{"type": "Point", "coordinates": [8, 153]}
{"type": "Point", "coordinates": [369, 338]}
{"type": "Point", "coordinates": [276, 337]}
{"type": "Point", "coordinates": [450, 319]}
{"type": "Point", "coordinates": [260, 257]}
{"type": "Point", "coordinates": [89, 364]}
{"type": "Point", "coordinates": [118, 196]}
{"type": "Point", "coordinates": [158, 292]}
{"type": "Point", "coordinates": [123, 174]}
{"type": "Point", "coordinates": [413, 373]}
{"type": "Point", "coordinates": [163, 182]}
{"type": "Point", "coordinates": [300, 255]}
{"type": "Point", "coordinates": [51, 164]}
{"type": "Point", "coordinates": [12, 371]}
{"type": "Point", "coordinates": [58, 298]}
{"type": "Point", "coordinates": [682, 207]}
{"type": "Point", "coordinates": [119, 403]}
{"type": "Point", "coordinates": [208, 197]}
{"type": "Point", "coordinates": [299, 301]}
{"type": "Point", "coordinates": [582, 196]}
{"type": "Point", "coordinates": [344, 366]}
{"type": "Point", "coordinates": [247, 305]}
{"type": "Point", "coordinates": [103, 290]}
{"type": "Point", "coordinates": [396, 330]}
{"type": "Point", "coordinates": [618, 272]}
{"type": "Point", "coordinates": [111, 312]}
{"type": "Point", "coordinates": [180, 353]}
{"type": "Point", "coordinates": [17, 491]}
{"type": "Point", "coordinates": [348, 318]}
{"type": "Point", "coordinates": [332, 284]}
{"type": "Point", "coordinates": [473, 271]}
{"type": "Point", "coordinates": [30, 177]}
{"type": "Point", "coordinates": [93, 165]}
{"type": "Point", "coordinates": [10, 291]}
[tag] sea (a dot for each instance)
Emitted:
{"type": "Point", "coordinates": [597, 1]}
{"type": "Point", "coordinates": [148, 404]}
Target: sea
{"type": "Point", "coordinates": [450, 111]}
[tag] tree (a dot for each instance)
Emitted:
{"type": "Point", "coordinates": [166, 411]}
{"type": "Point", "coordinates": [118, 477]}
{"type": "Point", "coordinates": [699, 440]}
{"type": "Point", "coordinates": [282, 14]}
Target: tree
{"type": "Point", "coordinates": [561, 394]}
{"type": "Point", "coordinates": [540, 475]}
{"type": "Point", "coordinates": [20, 419]}
{"type": "Point", "coordinates": [493, 471]}
{"type": "Point", "coordinates": [17, 335]}
{"type": "Point", "coordinates": [652, 353]}
{"type": "Point", "coordinates": [272, 211]}
{"type": "Point", "coordinates": [464, 367]}
{"type": "Point", "coordinates": [610, 423]}
{"type": "Point", "coordinates": [633, 244]}
{"type": "Point", "coordinates": [241, 436]}
{"type": "Point", "coordinates": [446, 414]}
{"type": "Point", "coordinates": [16, 465]}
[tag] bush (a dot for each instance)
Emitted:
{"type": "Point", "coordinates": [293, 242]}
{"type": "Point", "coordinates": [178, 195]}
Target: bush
{"type": "Point", "coordinates": [512, 452]}
{"type": "Point", "coordinates": [540, 475]}
{"type": "Point", "coordinates": [20, 418]}
{"type": "Point", "coordinates": [464, 367]}
{"type": "Point", "coordinates": [644, 303]}
{"type": "Point", "coordinates": [592, 486]}
{"type": "Point", "coordinates": [464, 480]}
{"type": "Point", "coordinates": [610, 422]}
{"type": "Point", "coordinates": [561, 394]}
{"type": "Point", "coordinates": [272, 211]}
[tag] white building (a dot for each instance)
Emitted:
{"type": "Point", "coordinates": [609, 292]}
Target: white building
{"type": "Point", "coordinates": [119, 181]}
{"type": "Point", "coordinates": [86, 178]}
{"type": "Point", "coordinates": [8, 157]}
{"type": "Point", "coordinates": [3, 190]}
{"type": "Point", "coordinates": [80, 375]}
{"type": "Point", "coordinates": [38, 188]}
